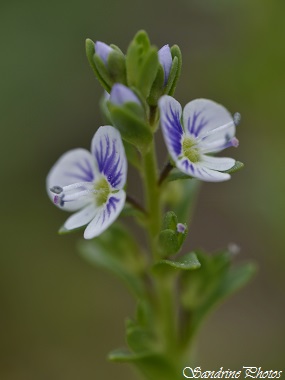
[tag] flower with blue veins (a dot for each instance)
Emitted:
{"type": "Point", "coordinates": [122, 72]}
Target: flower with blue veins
{"type": "Point", "coordinates": [205, 127]}
{"type": "Point", "coordinates": [165, 59]}
{"type": "Point", "coordinates": [91, 183]}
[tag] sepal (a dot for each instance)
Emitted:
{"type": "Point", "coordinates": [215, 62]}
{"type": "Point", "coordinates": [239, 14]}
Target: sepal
{"type": "Point", "coordinates": [237, 166]}
{"type": "Point", "coordinates": [141, 63]}
{"type": "Point", "coordinates": [90, 52]}
{"type": "Point", "coordinates": [157, 87]}
{"type": "Point", "coordinates": [160, 88]}
{"type": "Point", "coordinates": [175, 70]}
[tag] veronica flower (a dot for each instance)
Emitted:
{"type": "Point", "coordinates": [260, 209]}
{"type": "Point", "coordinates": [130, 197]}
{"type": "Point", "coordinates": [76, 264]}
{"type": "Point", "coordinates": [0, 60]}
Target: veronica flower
{"type": "Point", "coordinates": [205, 127]}
{"type": "Point", "coordinates": [165, 59]}
{"type": "Point", "coordinates": [91, 183]}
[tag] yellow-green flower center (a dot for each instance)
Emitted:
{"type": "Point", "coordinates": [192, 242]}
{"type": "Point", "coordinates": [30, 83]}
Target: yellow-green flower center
{"type": "Point", "coordinates": [189, 150]}
{"type": "Point", "coordinates": [102, 191]}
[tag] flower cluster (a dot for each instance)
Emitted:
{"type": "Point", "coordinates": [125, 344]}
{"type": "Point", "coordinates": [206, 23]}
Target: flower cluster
{"type": "Point", "coordinates": [139, 89]}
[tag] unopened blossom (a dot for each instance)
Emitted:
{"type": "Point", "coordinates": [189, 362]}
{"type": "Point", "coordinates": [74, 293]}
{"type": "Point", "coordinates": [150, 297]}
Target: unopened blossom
{"type": "Point", "coordinates": [165, 59]}
{"type": "Point", "coordinates": [91, 183]}
{"type": "Point", "coordinates": [203, 128]}
{"type": "Point", "coordinates": [103, 50]}
{"type": "Point", "coordinates": [121, 94]}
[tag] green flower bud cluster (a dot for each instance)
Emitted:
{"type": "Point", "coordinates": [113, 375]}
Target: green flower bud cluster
{"type": "Point", "coordinates": [148, 72]}
{"type": "Point", "coordinates": [172, 236]}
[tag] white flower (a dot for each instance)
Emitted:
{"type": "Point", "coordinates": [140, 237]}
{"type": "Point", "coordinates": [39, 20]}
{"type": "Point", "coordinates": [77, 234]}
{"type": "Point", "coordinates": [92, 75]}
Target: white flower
{"type": "Point", "coordinates": [91, 182]}
{"type": "Point", "coordinates": [206, 127]}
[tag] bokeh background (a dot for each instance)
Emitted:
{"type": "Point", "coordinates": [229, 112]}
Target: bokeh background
{"type": "Point", "coordinates": [60, 317]}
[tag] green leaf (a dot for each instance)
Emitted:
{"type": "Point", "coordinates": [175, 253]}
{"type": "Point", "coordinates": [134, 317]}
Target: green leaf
{"type": "Point", "coordinates": [116, 251]}
{"type": "Point", "coordinates": [187, 262]}
{"type": "Point", "coordinates": [148, 72]}
{"type": "Point", "coordinates": [142, 63]}
{"type": "Point", "coordinates": [140, 339]}
{"type": "Point", "coordinates": [170, 221]}
{"type": "Point", "coordinates": [125, 355]}
{"type": "Point", "coordinates": [133, 129]}
{"type": "Point", "coordinates": [135, 54]}
{"type": "Point", "coordinates": [211, 284]}
{"type": "Point", "coordinates": [154, 366]}
{"type": "Point", "coordinates": [168, 242]}
{"type": "Point", "coordinates": [237, 166]}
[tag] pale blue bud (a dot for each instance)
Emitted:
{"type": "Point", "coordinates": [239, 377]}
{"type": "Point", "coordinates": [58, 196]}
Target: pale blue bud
{"type": "Point", "coordinates": [103, 50]}
{"type": "Point", "coordinates": [165, 59]}
{"type": "Point", "coordinates": [121, 94]}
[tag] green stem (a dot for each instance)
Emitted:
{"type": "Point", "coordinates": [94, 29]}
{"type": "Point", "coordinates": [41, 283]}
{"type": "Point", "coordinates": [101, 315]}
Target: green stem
{"type": "Point", "coordinates": [152, 197]}
{"type": "Point", "coordinates": [164, 286]}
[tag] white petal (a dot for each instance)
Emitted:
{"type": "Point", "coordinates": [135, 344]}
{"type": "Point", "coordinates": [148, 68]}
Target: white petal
{"type": "Point", "coordinates": [108, 150]}
{"type": "Point", "coordinates": [170, 115]}
{"type": "Point", "coordinates": [202, 116]}
{"type": "Point", "coordinates": [106, 215]}
{"type": "Point", "coordinates": [81, 217]}
{"type": "Point", "coordinates": [198, 170]}
{"type": "Point", "coordinates": [74, 166]}
{"type": "Point", "coordinates": [217, 163]}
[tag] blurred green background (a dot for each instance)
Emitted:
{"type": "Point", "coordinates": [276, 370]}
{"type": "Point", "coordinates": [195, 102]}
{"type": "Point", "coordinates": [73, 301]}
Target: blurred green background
{"type": "Point", "coordinates": [60, 317]}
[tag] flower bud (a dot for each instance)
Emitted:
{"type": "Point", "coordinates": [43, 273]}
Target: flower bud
{"type": "Point", "coordinates": [107, 62]}
{"type": "Point", "coordinates": [103, 50]}
{"type": "Point", "coordinates": [121, 94]}
{"type": "Point", "coordinates": [172, 236]}
{"type": "Point", "coordinates": [170, 60]}
{"type": "Point", "coordinates": [128, 116]}
{"type": "Point", "coordinates": [165, 59]}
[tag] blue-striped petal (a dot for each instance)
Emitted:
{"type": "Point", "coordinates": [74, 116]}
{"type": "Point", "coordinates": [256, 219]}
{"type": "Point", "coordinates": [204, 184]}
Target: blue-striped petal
{"type": "Point", "coordinates": [77, 165]}
{"type": "Point", "coordinates": [170, 115]}
{"type": "Point", "coordinates": [108, 150]}
{"type": "Point", "coordinates": [208, 121]}
{"type": "Point", "coordinates": [106, 214]}
{"type": "Point", "coordinates": [200, 171]}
